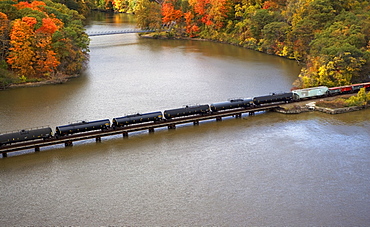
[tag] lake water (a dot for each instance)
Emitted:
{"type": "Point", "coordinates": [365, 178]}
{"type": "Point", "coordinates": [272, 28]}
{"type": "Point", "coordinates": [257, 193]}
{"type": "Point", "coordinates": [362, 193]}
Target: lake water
{"type": "Point", "coordinates": [262, 170]}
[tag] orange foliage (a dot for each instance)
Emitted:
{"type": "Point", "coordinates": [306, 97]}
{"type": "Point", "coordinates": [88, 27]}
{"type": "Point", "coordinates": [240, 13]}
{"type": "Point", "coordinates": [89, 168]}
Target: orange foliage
{"type": "Point", "coordinates": [48, 26]}
{"type": "Point", "coordinates": [35, 5]}
{"type": "Point", "coordinates": [170, 13]}
{"type": "Point", "coordinates": [30, 21]}
{"type": "Point", "coordinates": [270, 5]}
{"type": "Point", "coordinates": [3, 16]}
{"type": "Point", "coordinates": [191, 28]}
{"type": "Point", "coordinates": [31, 53]}
{"type": "Point", "coordinates": [217, 12]}
{"type": "Point", "coordinates": [211, 12]}
{"type": "Point", "coordinates": [22, 5]}
{"type": "Point", "coordinates": [21, 41]}
{"type": "Point", "coordinates": [200, 7]}
{"type": "Point", "coordinates": [45, 57]}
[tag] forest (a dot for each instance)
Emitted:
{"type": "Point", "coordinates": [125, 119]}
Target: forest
{"type": "Point", "coordinates": [329, 39]}
{"type": "Point", "coordinates": [41, 40]}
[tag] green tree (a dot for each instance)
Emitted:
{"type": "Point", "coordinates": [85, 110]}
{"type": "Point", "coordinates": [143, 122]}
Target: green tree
{"type": "Point", "coordinates": [258, 21]}
{"type": "Point", "coordinates": [322, 11]}
{"type": "Point", "coordinates": [360, 99]}
{"type": "Point", "coordinates": [4, 35]}
{"type": "Point", "coordinates": [274, 37]}
{"type": "Point", "coordinates": [300, 37]}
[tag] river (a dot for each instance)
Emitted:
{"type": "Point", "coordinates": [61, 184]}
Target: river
{"type": "Point", "coordinates": [269, 169]}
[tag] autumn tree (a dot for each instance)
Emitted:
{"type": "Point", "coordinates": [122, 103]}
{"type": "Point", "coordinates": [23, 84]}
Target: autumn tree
{"type": "Point", "coordinates": [4, 35]}
{"type": "Point", "coordinates": [47, 38]}
{"type": "Point", "coordinates": [169, 13]}
{"type": "Point", "coordinates": [259, 19]}
{"type": "Point", "coordinates": [45, 57]}
{"type": "Point", "coordinates": [6, 77]}
{"type": "Point", "coordinates": [200, 8]}
{"type": "Point", "coordinates": [274, 37]}
{"type": "Point", "coordinates": [8, 8]}
{"type": "Point", "coordinates": [218, 12]}
{"type": "Point", "coordinates": [71, 48]}
{"type": "Point", "coordinates": [300, 38]}
{"type": "Point", "coordinates": [148, 14]}
{"type": "Point", "coordinates": [83, 7]}
{"type": "Point", "coordinates": [360, 99]}
{"type": "Point", "coordinates": [191, 27]}
{"type": "Point", "coordinates": [32, 55]}
{"type": "Point", "coordinates": [22, 41]}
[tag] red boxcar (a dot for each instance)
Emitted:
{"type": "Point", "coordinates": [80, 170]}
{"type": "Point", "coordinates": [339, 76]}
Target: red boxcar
{"type": "Point", "coordinates": [367, 85]}
{"type": "Point", "coordinates": [340, 90]}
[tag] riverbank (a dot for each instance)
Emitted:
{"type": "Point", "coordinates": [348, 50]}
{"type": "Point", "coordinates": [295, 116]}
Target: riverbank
{"type": "Point", "coordinates": [60, 79]}
{"type": "Point", "coordinates": [310, 105]}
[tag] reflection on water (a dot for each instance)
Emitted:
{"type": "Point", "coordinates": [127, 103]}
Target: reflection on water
{"type": "Point", "coordinates": [264, 170]}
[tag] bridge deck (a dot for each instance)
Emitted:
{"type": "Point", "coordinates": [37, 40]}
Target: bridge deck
{"type": "Point", "coordinates": [126, 31]}
{"type": "Point", "coordinates": [171, 124]}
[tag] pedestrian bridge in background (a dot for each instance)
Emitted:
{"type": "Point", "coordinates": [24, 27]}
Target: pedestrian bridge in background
{"type": "Point", "coordinates": [126, 31]}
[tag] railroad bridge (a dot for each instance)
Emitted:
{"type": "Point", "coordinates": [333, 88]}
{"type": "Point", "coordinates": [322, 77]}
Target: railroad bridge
{"type": "Point", "coordinates": [150, 127]}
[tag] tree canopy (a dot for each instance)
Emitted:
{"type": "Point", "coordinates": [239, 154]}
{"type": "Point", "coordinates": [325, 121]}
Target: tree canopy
{"type": "Point", "coordinates": [39, 40]}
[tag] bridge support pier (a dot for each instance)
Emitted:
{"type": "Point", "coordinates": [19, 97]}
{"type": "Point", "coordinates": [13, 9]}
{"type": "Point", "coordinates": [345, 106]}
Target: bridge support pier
{"type": "Point", "coordinates": [4, 154]}
{"type": "Point", "coordinates": [37, 149]}
{"type": "Point", "coordinates": [125, 134]}
{"type": "Point", "coordinates": [172, 126]}
{"type": "Point", "coordinates": [218, 118]}
{"type": "Point", "coordinates": [151, 130]}
{"type": "Point", "coordinates": [251, 113]}
{"type": "Point", "coordinates": [98, 139]}
{"type": "Point", "coordinates": [238, 115]}
{"type": "Point", "coordinates": [68, 144]}
{"type": "Point", "coordinates": [196, 122]}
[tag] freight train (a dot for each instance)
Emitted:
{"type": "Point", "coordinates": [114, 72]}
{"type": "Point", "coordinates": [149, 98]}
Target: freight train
{"type": "Point", "coordinates": [158, 116]}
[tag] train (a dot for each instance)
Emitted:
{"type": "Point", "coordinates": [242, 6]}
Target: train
{"type": "Point", "coordinates": [167, 115]}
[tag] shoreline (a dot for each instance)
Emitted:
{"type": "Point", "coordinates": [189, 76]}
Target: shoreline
{"type": "Point", "coordinates": [55, 80]}
{"type": "Point", "coordinates": [310, 106]}
{"type": "Point", "coordinates": [161, 36]}
{"type": "Point", "coordinates": [289, 108]}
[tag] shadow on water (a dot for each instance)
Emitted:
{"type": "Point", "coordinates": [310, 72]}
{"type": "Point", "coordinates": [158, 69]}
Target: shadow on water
{"type": "Point", "coordinates": [48, 100]}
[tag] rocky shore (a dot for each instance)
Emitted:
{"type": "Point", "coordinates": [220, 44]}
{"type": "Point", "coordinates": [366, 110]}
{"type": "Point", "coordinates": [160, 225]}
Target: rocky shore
{"type": "Point", "coordinates": [310, 105]}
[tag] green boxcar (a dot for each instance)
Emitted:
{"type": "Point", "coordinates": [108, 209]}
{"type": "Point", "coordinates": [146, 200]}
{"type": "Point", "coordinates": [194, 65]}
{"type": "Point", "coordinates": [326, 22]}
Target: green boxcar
{"type": "Point", "coordinates": [310, 92]}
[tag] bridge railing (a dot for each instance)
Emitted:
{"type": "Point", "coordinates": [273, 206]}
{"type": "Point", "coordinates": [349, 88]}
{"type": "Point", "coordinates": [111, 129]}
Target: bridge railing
{"type": "Point", "coordinates": [125, 31]}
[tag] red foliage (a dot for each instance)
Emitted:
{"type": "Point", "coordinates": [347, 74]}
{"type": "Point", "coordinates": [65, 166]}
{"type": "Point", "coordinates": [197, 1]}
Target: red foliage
{"type": "Point", "coordinates": [191, 28]}
{"type": "Point", "coordinates": [22, 5]}
{"type": "Point", "coordinates": [200, 7]}
{"type": "Point", "coordinates": [48, 26]}
{"type": "Point", "coordinates": [170, 13]}
{"type": "Point", "coordinates": [270, 5]}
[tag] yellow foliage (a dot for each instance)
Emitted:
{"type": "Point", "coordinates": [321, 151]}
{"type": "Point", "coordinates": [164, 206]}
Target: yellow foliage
{"type": "Point", "coordinates": [360, 99]}
{"type": "Point", "coordinates": [285, 51]}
